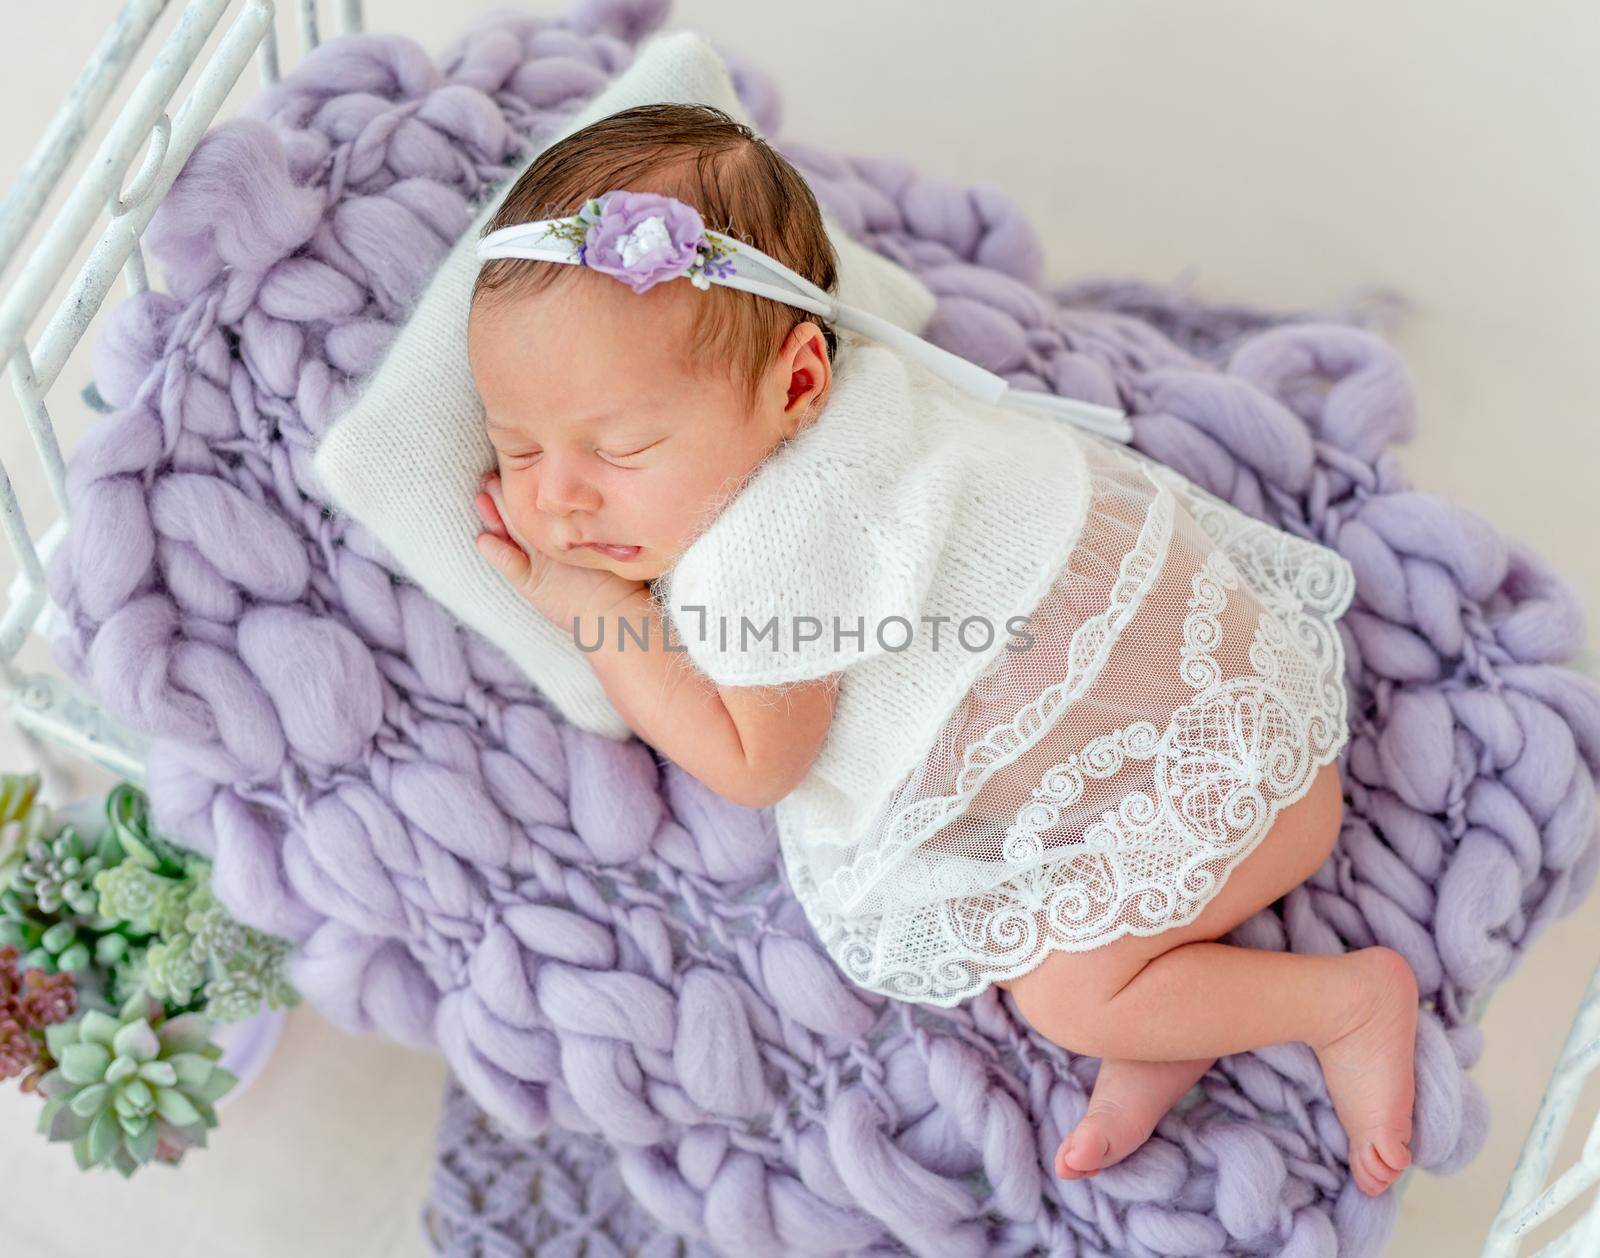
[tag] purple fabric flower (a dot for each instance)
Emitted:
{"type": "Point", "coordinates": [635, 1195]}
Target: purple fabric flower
{"type": "Point", "coordinates": [643, 238]}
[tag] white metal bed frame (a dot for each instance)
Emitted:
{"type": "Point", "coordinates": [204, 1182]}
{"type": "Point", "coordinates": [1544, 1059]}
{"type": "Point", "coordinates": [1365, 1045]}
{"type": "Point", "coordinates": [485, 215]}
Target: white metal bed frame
{"type": "Point", "coordinates": [48, 709]}
{"type": "Point", "coordinates": [41, 705]}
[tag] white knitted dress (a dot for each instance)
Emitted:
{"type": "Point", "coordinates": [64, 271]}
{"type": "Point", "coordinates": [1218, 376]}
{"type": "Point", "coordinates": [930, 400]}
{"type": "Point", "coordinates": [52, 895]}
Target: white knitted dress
{"type": "Point", "coordinates": [1075, 688]}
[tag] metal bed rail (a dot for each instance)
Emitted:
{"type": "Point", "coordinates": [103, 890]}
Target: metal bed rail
{"type": "Point", "coordinates": [45, 706]}
{"type": "Point", "coordinates": [1528, 1202]}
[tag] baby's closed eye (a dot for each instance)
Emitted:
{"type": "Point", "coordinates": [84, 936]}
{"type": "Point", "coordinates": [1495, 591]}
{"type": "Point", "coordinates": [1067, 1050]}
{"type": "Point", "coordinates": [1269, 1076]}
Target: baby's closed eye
{"type": "Point", "coordinates": [628, 454]}
{"type": "Point", "coordinates": [523, 457]}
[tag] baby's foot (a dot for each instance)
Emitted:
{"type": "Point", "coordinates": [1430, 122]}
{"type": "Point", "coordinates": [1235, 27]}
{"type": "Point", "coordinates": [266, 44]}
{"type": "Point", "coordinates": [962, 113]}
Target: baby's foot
{"type": "Point", "coordinates": [1368, 1067]}
{"type": "Point", "coordinates": [1129, 1099]}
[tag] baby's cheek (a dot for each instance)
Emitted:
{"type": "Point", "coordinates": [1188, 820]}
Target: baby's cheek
{"type": "Point", "coordinates": [522, 516]}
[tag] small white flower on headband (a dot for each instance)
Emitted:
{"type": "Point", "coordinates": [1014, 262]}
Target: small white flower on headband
{"type": "Point", "coordinates": [649, 235]}
{"type": "Point", "coordinates": [643, 238]}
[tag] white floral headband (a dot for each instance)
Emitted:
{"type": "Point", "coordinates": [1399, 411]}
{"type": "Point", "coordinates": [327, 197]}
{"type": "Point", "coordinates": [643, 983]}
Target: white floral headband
{"type": "Point", "coordinates": [643, 238]}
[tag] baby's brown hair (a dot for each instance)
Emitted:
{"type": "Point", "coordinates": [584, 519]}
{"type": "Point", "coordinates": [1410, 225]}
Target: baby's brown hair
{"type": "Point", "coordinates": [741, 186]}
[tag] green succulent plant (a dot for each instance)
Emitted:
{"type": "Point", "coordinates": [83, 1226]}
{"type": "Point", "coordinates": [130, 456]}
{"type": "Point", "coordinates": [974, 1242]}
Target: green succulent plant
{"type": "Point", "coordinates": [57, 873]}
{"type": "Point", "coordinates": [48, 903]}
{"type": "Point", "coordinates": [127, 977]}
{"type": "Point", "coordinates": [133, 1087]}
{"type": "Point", "coordinates": [251, 979]}
{"type": "Point", "coordinates": [131, 893]}
{"type": "Point", "coordinates": [123, 920]}
{"type": "Point", "coordinates": [55, 947]}
{"type": "Point", "coordinates": [172, 905]}
{"type": "Point", "coordinates": [94, 951]}
{"type": "Point", "coordinates": [172, 972]}
{"type": "Point", "coordinates": [212, 929]}
{"type": "Point", "coordinates": [22, 817]}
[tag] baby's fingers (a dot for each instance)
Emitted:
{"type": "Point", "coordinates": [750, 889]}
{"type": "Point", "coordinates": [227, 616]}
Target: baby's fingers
{"type": "Point", "coordinates": [496, 493]}
{"type": "Point", "coordinates": [507, 559]}
{"type": "Point", "coordinates": [490, 515]}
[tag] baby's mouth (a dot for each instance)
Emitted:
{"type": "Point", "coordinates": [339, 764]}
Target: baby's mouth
{"type": "Point", "coordinates": [609, 549]}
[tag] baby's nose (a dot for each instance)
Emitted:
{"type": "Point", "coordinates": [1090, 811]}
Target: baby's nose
{"type": "Point", "coordinates": [563, 497]}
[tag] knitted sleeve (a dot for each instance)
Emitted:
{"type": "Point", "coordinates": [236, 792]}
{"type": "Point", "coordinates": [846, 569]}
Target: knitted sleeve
{"type": "Point", "coordinates": [760, 600]}
{"type": "Point", "coordinates": [828, 554]}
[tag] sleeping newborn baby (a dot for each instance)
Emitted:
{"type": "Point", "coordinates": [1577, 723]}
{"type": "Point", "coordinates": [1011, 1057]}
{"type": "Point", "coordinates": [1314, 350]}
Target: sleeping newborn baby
{"type": "Point", "coordinates": [1034, 711]}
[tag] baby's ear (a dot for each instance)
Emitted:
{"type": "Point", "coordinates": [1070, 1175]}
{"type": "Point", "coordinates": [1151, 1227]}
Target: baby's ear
{"type": "Point", "coordinates": [800, 382]}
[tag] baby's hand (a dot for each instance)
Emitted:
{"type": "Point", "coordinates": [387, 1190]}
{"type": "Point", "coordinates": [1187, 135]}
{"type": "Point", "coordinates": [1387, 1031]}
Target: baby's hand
{"type": "Point", "coordinates": [558, 591]}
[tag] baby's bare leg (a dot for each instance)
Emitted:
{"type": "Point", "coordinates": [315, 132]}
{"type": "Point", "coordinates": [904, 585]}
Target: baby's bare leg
{"type": "Point", "coordinates": [1205, 999]}
{"type": "Point", "coordinates": [1152, 1010]}
{"type": "Point", "coordinates": [1129, 1099]}
{"type": "Point", "coordinates": [1357, 1011]}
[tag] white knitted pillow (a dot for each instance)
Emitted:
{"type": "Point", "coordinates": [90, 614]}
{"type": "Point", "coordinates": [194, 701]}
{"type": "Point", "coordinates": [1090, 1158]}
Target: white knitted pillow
{"type": "Point", "coordinates": [405, 459]}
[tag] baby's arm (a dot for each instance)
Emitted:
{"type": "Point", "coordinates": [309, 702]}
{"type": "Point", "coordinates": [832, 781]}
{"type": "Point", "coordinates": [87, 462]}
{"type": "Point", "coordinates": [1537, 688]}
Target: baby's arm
{"type": "Point", "coordinates": [750, 744]}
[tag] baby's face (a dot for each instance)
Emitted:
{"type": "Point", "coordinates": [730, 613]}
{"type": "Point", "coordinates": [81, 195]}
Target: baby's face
{"type": "Point", "coordinates": [602, 434]}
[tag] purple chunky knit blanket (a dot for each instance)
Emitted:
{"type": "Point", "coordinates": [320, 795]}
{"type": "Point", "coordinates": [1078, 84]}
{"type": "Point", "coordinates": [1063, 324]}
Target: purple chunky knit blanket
{"type": "Point", "coordinates": [599, 946]}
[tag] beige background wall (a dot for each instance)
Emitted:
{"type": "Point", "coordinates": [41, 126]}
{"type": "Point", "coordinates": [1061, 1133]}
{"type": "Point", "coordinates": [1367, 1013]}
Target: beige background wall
{"type": "Point", "coordinates": [1287, 154]}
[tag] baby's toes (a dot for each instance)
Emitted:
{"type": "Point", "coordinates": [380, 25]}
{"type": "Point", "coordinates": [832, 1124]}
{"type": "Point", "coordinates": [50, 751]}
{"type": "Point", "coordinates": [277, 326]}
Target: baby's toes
{"type": "Point", "coordinates": [1389, 1156]}
{"type": "Point", "coordinates": [1361, 1171]}
{"type": "Point", "coordinates": [1087, 1149]}
{"type": "Point", "coordinates": [1373, 1171]}
{"type": "Point", "coordinates": [1074, 1159]}
{"type": "Point", "coordinates": [1393, 1149]}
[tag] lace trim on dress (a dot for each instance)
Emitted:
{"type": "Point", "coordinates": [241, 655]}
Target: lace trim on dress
{"type": "Point", "coordinates": [1226, 763]}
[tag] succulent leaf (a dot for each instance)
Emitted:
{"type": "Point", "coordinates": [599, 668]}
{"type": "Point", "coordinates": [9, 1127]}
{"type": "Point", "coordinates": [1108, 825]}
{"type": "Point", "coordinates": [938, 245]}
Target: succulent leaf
{"type": "Point", "coordinates": [54, 1083]}
{"type": "Point", "coordinates": [110, 950]}
{"type": "Point", "coordinates": [73, 958]}
{"type": "Point", "coordinates": [56, 873]}
{"type": "Point", "coordinates": [173, 1106]}
{"type": "Point", "coordinates": [137, 1097]}
{"type": "Point", "coordinates": [133, 1088]}
{"type": "Point", "coordinates": [141, 1146]}
{"type": "Point", "coordinates": [66, 1123]}
{"type": "Point", "coordinates": [215, 1087]}
{"type": "Point", "coordinates": [98, 1027]}
{"type": "Point", "coordinates": [84, 1063]}
{"type": "Point", "coordinates": [130, 893]}
{"type": "Point", "coordinates": [52, 1107]}
{"type": "Point", "coordinates": [87, 1102]}
{"type": "Point", "coordinates": [103, 1136]}
{"type": "Point", "coordinates": [59, 937]}
{"type": "Point", "coordinates": [171, 971]}
{"type": "Point", "coordinates": [187, 1033]}
{"type": "Point", "coordinates": [138, 1041]}
{"type": "Point", "coordinates": [23, 817]}
{"type": "Point", "coordinates": [58, 1036]}
{"type": "Point", "coordinates": [191, 1069]}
